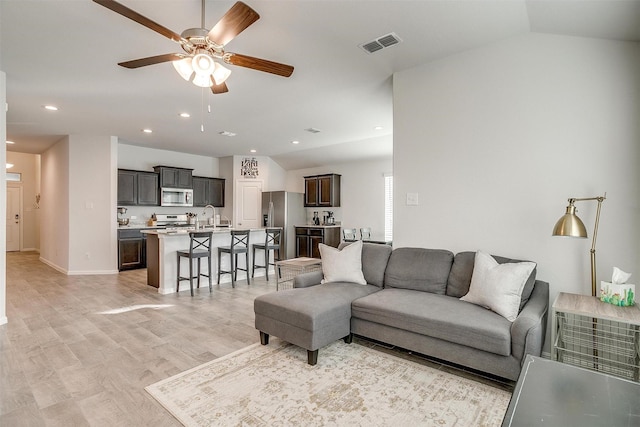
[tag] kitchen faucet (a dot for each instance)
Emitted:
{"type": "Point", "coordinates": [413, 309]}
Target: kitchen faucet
{"type": "Point", "coordinates": [213, 215]}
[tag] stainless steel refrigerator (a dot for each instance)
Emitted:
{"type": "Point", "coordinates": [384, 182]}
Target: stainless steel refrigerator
{"type": "Point", "coordinates": [284, 209]}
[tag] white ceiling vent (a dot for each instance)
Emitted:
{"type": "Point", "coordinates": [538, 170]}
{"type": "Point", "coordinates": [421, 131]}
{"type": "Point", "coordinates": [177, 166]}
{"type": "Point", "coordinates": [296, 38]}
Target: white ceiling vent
{"type": "Point", "coordinates": [381, 42]}
{"type": "Point", "coordinates": [313, 130]}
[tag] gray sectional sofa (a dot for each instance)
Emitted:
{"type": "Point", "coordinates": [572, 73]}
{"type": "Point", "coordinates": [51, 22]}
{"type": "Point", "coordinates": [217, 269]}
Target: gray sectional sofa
{"type": "Point", "coordinates": [411, 300]}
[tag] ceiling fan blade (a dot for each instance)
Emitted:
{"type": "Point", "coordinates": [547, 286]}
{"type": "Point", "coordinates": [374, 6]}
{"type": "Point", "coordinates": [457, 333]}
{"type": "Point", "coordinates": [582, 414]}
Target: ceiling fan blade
{"type": "Point", "coordinates": [259, 64]}
{"type": "Point", "coordinates": [150, 60]}
{"type": "Point", "coordinates": [135, 16]}
{"type": "Point", "coordinates": [235, 21]}
{"type": "Point", "coordinates": [221, 88]}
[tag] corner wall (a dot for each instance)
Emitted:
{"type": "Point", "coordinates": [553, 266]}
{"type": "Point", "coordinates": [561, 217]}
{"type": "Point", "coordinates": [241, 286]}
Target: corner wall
{"type": "Point", "coordinates": [496, 139]}
{"type": "Point", "coordinates": [3, 201]}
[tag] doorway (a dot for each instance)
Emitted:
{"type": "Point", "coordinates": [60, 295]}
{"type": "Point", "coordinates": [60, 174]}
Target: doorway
{"type": "Point", "coordinates": [248, 203]}
{"type": "Point", "coordinates": [14, 218]}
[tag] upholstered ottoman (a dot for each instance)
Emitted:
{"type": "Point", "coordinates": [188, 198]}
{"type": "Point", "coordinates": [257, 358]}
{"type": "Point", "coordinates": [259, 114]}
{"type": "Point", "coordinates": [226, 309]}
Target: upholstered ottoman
{"type": "Point", "coordinates": [309, 317]}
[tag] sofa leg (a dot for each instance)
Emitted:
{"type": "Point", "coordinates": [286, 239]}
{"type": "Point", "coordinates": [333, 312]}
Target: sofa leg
{"type": "Point", "coordinates": [312, 357]}
{"type": "Point", "coordinates": [348, 339]}
{"type": "Point", "coordinates": [264, 338]}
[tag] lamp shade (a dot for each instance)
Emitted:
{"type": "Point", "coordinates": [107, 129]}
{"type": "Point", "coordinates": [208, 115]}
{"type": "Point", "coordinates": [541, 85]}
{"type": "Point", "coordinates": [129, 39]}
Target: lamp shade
{"type": "Point", "coordinates": [184, 68]}
{"type": "Point", "coordinates": [220, 74]}
{"type": "Point", "coordinates": [202, 80]}
{"type": "Point", "coordinates": [570, 225]}
{"type": "Point", "coordinates": [203, 63]}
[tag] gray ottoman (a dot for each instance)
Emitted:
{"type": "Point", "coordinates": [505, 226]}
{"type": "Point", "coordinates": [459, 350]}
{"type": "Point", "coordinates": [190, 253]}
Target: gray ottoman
{"type": "Point", "coordinates": [309, 317]}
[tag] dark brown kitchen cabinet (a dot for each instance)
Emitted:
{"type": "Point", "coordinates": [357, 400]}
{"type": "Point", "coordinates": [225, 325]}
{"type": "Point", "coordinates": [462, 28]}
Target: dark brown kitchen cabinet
{"type": "Point", "coordinates": [137, 188]}
{"type": "Point", "coordinates": [172, 177]}
{"type": "Point", "coordinates": [131, 249]}
{"type": "Point", "coordinates": [322, 190]}
{"type": "Point", "coordinates": [308, 239]}
{"type": "Point", "coordinates": [148, 189]}
{"type": "Point", "coordinates": [208, 191]}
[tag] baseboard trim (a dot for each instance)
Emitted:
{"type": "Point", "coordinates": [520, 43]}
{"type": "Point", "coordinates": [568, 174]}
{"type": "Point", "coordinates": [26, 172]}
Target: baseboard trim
{"type": "Point", "coordinates": [52, 265]}
{"type": "Point", "coordinates": [91, 272]}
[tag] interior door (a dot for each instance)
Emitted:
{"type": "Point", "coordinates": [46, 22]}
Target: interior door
{"type": "Point", "coordinates": [13, 219]}
{"type": "Point", "coordinates": [248, 204]}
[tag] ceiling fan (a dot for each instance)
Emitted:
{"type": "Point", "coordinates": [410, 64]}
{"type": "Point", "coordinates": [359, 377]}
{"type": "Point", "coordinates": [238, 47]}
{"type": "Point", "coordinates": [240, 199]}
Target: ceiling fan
{"type": "Point", "coordinates": [202, 46]}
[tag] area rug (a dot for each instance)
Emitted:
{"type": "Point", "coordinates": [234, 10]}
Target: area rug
{"type": "Point", "coordinates": [351, 385]}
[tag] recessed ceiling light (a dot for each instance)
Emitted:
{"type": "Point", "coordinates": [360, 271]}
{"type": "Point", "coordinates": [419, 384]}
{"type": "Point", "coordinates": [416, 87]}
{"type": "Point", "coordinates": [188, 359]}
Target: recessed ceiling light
{"type": "Point", "coordinates": [147, 130]}
{"type": "Point", "coordinates": [10, 142]}
{"type": "Point", "coordinates": [51, 107]}
{"type": "Point", "coordinates": [185, 115]}
{"type": "Point", "coordinates": [252, 151]}
{"type": "Point", "coordinates": [295, 142]}
{"type": "Point", "coordinates": [226, 133]}
{"type": "Point", "coordinates": [9, 165]}
{"type": "Point", "coordinates": [378, 128]}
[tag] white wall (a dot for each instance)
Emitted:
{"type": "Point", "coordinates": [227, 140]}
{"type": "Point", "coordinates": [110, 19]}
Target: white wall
{"type": "Point", "coordinates": [496, 139]}
{"type": "Point", "coordinates": [144, 159]}
{"type": "Point", "coordinates": [92, 197]}
{"type": "Point", "coordinates": [362, 193]}
{"type": "Point", "coordinates": [28, 165]}
{"type": "Point", "coordinates": [3, 201]}
{"type": "Point", "coordinates": [54, 206]}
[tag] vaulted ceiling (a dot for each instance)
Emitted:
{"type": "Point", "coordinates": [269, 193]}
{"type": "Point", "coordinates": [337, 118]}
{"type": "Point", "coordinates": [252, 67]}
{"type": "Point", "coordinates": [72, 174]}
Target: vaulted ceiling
{"type": "Point", "coordinates": [65, 53]}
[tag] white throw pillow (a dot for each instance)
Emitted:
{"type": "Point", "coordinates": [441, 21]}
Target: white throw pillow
{"type": "Point", "coordinates": [342, 265]}
{"type": "Point", "coordinates": [498, 287]}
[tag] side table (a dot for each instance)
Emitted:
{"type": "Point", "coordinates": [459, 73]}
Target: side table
{"type": "Point", "coordinates": [591, 334]}
{"type": "Point", "coordinates": [288, 269]}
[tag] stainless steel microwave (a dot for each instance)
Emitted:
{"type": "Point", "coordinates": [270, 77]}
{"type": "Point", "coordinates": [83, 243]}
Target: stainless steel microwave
{"type": "Point", "coordinates": [176, 197]}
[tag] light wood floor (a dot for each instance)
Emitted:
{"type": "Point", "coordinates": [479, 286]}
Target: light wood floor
{"type": "Point", "coordinates": [66, 361]}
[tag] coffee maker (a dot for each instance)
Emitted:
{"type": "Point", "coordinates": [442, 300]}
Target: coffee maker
{"type": "Point", "coordinates": [329, 218]}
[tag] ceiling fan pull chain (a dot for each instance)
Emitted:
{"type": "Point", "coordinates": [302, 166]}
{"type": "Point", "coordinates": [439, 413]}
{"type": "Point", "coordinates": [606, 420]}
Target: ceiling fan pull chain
{"type": "Point", "coordinates": [202, 113]}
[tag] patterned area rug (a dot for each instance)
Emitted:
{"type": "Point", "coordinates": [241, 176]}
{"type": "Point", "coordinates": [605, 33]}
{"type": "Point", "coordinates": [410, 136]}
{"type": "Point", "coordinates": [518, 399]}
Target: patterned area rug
{"type": "Point", "coordinates": [351, 385]}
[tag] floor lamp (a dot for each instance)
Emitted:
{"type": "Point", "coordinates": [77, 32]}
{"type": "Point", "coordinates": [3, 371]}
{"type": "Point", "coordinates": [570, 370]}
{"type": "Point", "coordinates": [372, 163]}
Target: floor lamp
{"type": "Point", "coordinates": [572, 226]}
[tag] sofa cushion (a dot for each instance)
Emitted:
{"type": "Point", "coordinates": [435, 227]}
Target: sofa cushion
{"type": "Point", "coordinates": [374, 261]}
{"type": "Point", "coordinates": [462, 270]}
{"type": "Point", "coordinates": [437, 316]}
{"type": "Point", "coordinates": [342, 265]}
{"type": "Point", "coordinates": [498, 287]}
{"type": "Point", "coordinates": [419, 269]}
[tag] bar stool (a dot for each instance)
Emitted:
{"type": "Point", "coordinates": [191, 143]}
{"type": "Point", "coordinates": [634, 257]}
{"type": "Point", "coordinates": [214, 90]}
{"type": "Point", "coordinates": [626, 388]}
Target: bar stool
{"type": "Point", "coordinates": [239, 245]}
{"type": "Point", "coordinates": [199, 247]}
{"type": "Point", "coordinates": [271, 243]}
{"type": "Point", "coordinates": [349, 234]}
{"type": "Point", "coordinates": [365, 233]}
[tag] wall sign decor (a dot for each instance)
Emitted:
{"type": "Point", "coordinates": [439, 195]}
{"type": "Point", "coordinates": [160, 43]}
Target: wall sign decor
{"type": "Point", "coordinates": [249, 167]}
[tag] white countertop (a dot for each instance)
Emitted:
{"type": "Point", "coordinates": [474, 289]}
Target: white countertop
{"type": "Point", "coordinates": [186, 230]}
{"type": "Point", "coordinates": [319, 226]}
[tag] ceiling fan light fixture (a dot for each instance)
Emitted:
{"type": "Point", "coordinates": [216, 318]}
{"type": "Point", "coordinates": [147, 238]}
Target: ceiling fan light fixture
{"type": "Point", "coordinates": [203, 63]}
{"type": "Point", "coordinates": [202, 80]}
{"type": "Point", "coordinates": [184, 68]}
{"type": "Point", "coordinates": [220, 73]}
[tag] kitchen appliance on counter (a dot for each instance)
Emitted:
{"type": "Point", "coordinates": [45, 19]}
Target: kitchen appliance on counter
{"type": "Point", "coordinates": [122, 220]}
{"type": "Point", "coordinates": [329, 219]}
{"type": "Point", "coordinates": [172, 221]}
{"type": "Point", "coordinates": [176, 197]}
{"type": "Point", "coordinates": [284, 209]}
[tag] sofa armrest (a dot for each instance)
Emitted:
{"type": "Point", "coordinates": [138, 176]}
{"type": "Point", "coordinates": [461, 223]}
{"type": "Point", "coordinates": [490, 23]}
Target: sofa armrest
{"type": "Point", "coordinates": [529, 328]}
{"type": "Point", "coordinates": [306, 280]}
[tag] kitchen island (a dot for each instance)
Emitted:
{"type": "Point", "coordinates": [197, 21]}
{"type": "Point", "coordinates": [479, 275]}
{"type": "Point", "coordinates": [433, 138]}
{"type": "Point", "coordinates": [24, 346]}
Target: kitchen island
{"type": "Point", "coordinates": [162, 266]}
